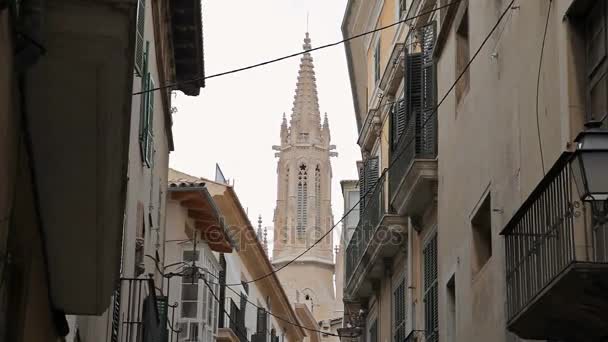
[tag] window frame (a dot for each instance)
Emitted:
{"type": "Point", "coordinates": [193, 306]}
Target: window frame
{"type": "Point", "coordinates": [207, 307]}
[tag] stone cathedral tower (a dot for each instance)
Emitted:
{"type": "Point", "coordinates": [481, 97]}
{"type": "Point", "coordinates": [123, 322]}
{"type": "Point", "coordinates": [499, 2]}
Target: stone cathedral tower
{"type": "Point", "coordinates": [303, 210]}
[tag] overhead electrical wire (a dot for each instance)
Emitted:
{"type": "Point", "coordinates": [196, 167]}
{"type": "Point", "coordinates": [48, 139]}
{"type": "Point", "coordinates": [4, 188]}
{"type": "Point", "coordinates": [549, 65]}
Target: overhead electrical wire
{"type": "Point", "coordinates": [411, 140]}
{"type": "Point", "coordinates": [434, 112]}
{"type": "Point", "coordinates": [540, 65]}
{"type": "Point", "coordinates": [241, 296]}
{"type": "Point", "coordinates": [232, 320]}
{"type": "Point", "coordinates": [224, 73]}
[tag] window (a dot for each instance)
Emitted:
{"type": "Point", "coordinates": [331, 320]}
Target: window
{"type": "Point", "coordinates": [431, 314]}
{"type": "Point", "coordinates": [399, 315]}
{"type": "Point", "coordinates": [482, 235]}
{"type": "Point", "coordinates": [189, 297]}
{"type": "Point", "coordinates": [377, 62]}
{"type": "Point", "coordinates": [462, 56]}
{"type": "Point", "coordinates": [198, 304]}
{"type": "Point", "coordinates": [146, 142]}
{"type": "Point", "coordinates": [596, 64]}
{"type": "Point", "coordinates": [302, 201]}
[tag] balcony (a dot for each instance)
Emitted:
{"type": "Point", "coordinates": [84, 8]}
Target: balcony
{"type": "Point", "coordinates": [413, 175]}
{"type": "Point", "coordinates": [378, 235]}
{"type": "Point", "coordinates": [557, 263]}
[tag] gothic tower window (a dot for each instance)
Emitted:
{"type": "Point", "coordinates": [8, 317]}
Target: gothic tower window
{"type": "Point", "coordinates": [318, 202]}
{"type": "Point", "coordinates": [302, 201]}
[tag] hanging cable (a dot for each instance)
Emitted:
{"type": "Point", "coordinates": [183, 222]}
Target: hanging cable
{"type": "Point", "coordinates": [410, 141]}
{"type": "Point", "coordinates": [225, 312]}
{"type": "Point", "coordinates": [241, 296]}
{"type": "Point", "coordinates": [540, 65]}
{"type": "Point", "coordinates": [196, 79]}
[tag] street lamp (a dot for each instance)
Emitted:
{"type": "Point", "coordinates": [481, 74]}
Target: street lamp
{"type": "Point", "coordinates": [590, 164]}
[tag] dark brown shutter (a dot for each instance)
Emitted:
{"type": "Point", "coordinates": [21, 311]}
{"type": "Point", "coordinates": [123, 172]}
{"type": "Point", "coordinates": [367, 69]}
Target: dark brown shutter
{"type": "Point", "coordinates": [425, 124]}
{"type": "Point", "coordinates": [262, 321]}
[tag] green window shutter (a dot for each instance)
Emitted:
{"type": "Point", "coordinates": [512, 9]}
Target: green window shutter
{"type": "Point", "coordinates": [361, 188]}
{"type": "Point", "coordinates": [143, 108]}
{"type": "Point", "coordinates": [150, 122]}
{"type": "Point", "coordinates": [431, 310]}
{"type": "Point", "coordinates": [139, 38]}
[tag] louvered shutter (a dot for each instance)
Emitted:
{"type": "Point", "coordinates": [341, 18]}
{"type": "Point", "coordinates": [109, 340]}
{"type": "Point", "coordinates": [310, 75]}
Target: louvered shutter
{"type": "Point", "coordinates": [144, 106]}
{"type": "Point", "coordinates": [139, 38]}
{"type": "Point", "coordinates": [150, 123]}
{"type": "Point", "coordinates": [425, 125]}
{"type": "Point", "coordinates": [398, 121]}
{"type": "Point", "coordinates": [361, 188]}
{"type": "Point", "coordinates": [371, 174]}
{"type": "Point", "coordinates": [262, 321]}
{"type": "Point", "coordinates": [431, 313]}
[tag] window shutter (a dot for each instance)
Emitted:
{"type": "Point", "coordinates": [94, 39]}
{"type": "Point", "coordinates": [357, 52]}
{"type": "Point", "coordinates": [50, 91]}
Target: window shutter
{"type": "Point", "coordinates": [139, 38]}
{"type": "Point", "coordinates": [243, 310]}
{"type": "Point", "coordinates": [425, 126]}
{"type": "Point", "coordinates": [431, 313]}
{"type": "Point", "coordinates": [361, 188]}
{"type": "Point", "coordinates": [397, 122]}
{"type": "Point", "coordinates": [262, 321]}
{"type": "Point", "coordinates": [150, 123]}
{"type": "Point", "coordinates": [371, 174]}
{"type": "Point", "coordinates": [143, 110]}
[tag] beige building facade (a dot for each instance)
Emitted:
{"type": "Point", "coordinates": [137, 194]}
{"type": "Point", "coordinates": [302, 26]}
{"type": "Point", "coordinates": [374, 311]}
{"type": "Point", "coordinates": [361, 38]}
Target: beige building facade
{"type": "Point", "coordinates": [230, 258]}
{"type": "Point", "coordinates": [303, 210]}
{"type": "Point", "coordinates": [478, 199]}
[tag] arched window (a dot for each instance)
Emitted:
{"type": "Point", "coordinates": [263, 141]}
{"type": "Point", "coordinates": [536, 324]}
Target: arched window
{"type": "Point", "coordinates": [317, 202]}
{"type": "Point", "coordinates": [302, 201]}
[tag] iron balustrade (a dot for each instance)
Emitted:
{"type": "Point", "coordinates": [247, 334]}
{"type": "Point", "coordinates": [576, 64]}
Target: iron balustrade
{"type": "Point", "coordinates": [547, 234]}
{"type": "Point", "coordinates": [369, 219]}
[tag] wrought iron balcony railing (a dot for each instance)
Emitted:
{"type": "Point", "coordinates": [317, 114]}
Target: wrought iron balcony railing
{"type": "Point", "coordinates": [548, 240]}
{"type": "Point", "coordinates": [369, 220]}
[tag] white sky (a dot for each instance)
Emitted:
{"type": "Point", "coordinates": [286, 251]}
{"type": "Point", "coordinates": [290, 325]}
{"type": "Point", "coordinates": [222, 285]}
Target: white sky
{"type": "Point", "coordinates": [236, 119]}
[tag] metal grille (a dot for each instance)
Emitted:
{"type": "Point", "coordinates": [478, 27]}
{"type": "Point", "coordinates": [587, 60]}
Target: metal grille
{"type": "Point", "coordinates": [540, 239]}
{"type": "Point", "coordinates": [431, 314]}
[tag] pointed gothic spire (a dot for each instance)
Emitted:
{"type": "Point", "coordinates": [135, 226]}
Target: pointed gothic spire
{"type": "Point", "coordinates": [266, 240]}
{"type": "Point", "coordinates": [305, 117]}
{"type": "Point", "coordinates": [262, 235]}
{"type": "Point", "coordinates": [284, 130]}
